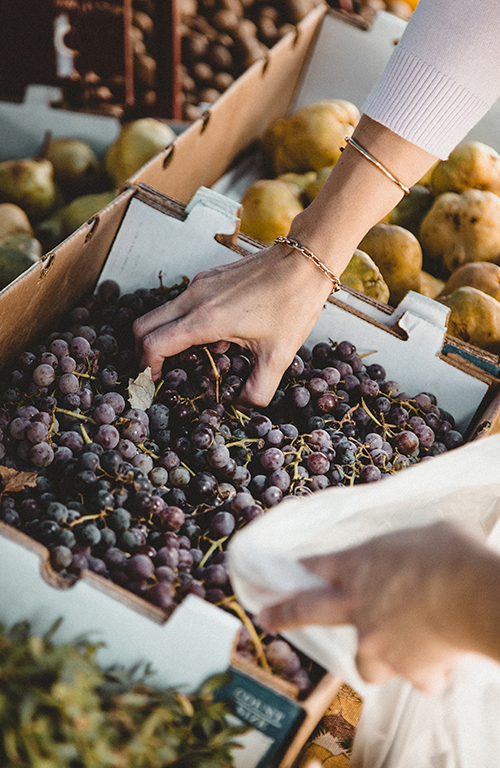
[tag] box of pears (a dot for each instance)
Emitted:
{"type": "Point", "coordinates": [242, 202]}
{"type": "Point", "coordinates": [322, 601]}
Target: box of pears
{"type": "Point", "coordinates": [58, 168]}
{"type": "Point", "coordinates": [119, 497]}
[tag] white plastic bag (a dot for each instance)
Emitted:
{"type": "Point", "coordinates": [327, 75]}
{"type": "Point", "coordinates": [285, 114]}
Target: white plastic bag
{"type": "Point", "coordinates": [399, 726]}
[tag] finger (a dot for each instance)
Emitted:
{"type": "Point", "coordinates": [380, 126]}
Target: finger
{"type": "Point", "coordinates": [431, 679]}
{"type": "Point", "coordinates": [162, 315]}
{"type": "Point", "coordinates": [326, 607]}
{"type": "Point", "coordinates": [261, 384]}
{"type": "Point", "coordinates": [372, 667]}
{"type": "Point", "coordinates": [334, 566]}
{"type": "Point", "coordinates": [171, 339]}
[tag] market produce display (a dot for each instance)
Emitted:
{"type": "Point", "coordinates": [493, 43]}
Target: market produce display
{"type": "Point", "coordinates": [145, 483]}
{"type": "Point", "coordinates": [44, 199]}
{"type": "Point", "coordinates": [61, 708]}
{"type": "Point", "coordinates": [220, 39]}
{"type": "Point", "coordinates": [442, 237]}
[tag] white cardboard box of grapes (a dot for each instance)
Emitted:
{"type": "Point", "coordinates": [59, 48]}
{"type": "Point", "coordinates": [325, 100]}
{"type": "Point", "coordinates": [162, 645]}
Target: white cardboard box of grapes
{"type": "Point", "coordinates": [134, 238]}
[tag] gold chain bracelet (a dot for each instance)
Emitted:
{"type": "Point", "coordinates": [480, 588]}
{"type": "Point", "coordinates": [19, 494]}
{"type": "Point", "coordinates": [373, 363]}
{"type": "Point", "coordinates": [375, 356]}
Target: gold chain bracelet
{"type": "Point", "coordinates": [311, 256]}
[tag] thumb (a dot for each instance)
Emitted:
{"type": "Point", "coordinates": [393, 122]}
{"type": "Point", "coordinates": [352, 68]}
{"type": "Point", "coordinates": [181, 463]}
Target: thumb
{"type": "Point", "coordinates": [261, 384]}
{"type": "Point", "coordinates": [321, 606]}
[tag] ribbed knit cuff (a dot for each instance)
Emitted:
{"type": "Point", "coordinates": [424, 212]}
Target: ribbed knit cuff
{"type": "Point", "coordinates": [422, 105]}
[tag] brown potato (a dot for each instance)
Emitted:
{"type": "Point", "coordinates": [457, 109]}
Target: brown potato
{"type": "Point", "coordinates": [225, 20]}
{"type": "Point", "coordinates": [222, 81]}
{"type": "Point", "coordinates": [202, 72]}
{"type": "Point", "coordinates": [220, 58]}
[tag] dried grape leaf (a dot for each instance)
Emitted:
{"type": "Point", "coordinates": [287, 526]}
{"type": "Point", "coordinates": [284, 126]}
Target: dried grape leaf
{"type": "Point", "coordinates": [14, 480]}
{"type": "Point", "coordinates": [141, 390]}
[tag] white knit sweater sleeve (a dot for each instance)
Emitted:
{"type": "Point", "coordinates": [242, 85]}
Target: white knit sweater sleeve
{"type": "Point", "coordinates": [443, 76]}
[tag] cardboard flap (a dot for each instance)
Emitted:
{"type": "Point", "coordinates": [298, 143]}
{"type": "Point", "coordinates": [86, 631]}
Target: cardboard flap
{"type": "Point", "coordinates": [150, 241]}
{"type": "Point", "coordinates": [132, 630]}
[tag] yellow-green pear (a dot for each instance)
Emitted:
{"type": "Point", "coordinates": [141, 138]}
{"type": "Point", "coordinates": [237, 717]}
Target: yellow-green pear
{"type": "Point", "coordinates": [363, 274]}
{"type": "Point", "coordinates": [268, 208]}
{"type": "Point", "coordinates": [18, 251]}
{"type": "Point", "coordinates": [459, 228]}
{"type": "Point", "coordinates": [474, 317]}
{"type": "Point", "coordinates": [13, 219]}
{"type": "Point", "coordinates": [29, 184]}
{"type": "Point", "coordinates": [398, 255]}
{"type": "Point", "coordinates": [76, 166]}
{"type": "Point", "coordinates": [412, 208]}
{"type": "Point", "coordinates": [82, 208]}
{"type": "Point", "coordinates": [311, 138]}
{"type": "Point", "coordinates": [138, 142]}
{"type": "Point", "coordinates": [471, 165]}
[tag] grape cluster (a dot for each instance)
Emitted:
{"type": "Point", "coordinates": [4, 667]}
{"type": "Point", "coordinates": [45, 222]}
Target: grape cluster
{"type": "Point", "coordinates": [150, 497]}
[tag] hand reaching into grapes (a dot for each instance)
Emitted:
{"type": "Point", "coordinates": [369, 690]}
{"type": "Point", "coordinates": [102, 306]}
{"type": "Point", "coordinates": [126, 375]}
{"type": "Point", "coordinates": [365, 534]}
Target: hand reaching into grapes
{"type": "Point", "coordinates": [419, 598]}
{"type": "Point", "coordinates": [267, 302]}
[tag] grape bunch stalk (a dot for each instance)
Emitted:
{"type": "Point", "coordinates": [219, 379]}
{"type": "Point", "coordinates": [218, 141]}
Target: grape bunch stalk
{"type": "Point", "coordinates": [149, 497]}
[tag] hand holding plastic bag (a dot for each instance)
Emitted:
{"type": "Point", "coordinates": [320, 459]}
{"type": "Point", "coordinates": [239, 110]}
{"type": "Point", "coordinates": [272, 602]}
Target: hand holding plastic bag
{"type": "Point", "coordinates": [412, 596]}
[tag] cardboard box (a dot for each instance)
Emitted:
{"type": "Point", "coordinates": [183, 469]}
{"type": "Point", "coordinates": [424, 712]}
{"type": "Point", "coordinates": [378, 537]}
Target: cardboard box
{"type": "Point", "coordinates": [197, 640]}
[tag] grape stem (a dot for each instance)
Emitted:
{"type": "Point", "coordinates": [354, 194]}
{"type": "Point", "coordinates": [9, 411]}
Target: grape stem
{"type": "Point", "coordinates": [85, 435]}
{"type": "Point", "coordinates": [232, 604]}
{"type": "Point", "coordinates": [216, 373]}
{"type": "Point", "coordinates": [214, 545]}
{"type": "Point", "coordinates": [149, 453]}
{"type": "Point", "coordinates": [76, 415]}
{"type": "Point", "coordinates": [242, 417]}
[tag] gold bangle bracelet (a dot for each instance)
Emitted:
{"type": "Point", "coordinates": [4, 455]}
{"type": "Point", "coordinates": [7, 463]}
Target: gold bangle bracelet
{"type": "Point", "coordinates": [381, 167]}
{"type": "Point", "coordinates": [310, 255]}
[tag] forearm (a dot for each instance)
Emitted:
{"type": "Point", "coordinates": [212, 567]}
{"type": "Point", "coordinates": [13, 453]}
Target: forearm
{"type": "Point", "coordinates": [357, 195]}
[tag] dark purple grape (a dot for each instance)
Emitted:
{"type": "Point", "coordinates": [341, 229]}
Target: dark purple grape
{"type": "Point", "coordinates": [319, 354]}
{"type": "Point", "coordinates": [108, 436]}
{"type": "Point", "coordinates": [44, 375]}
{"type": "Point", "coordinates": [296, 367]}
{"type": "Point", "coordinates": [271, 496]}
{"type": "Point", "coordinates": [331, 375]}
{"type": "Point", "coordinates": [41, 454]}
{"type": "Point", "coordinates": [369, 388]}
{"type": "Point", "coordinates": [317, 463]}
{"type": "Point", "coordinates": [453, 439]}
{"type": "Point", "coordinates": [406, 442]}
{"type": "Point", "coordinates": [162, 595]}
{"type": "Point", "coordinates": [215, 575]}
{"type": "Point", "coordinates": [369, 474]}
{"type": "Point", "coordinates": [79, 347]}
{"type": "Point", "coordinates": [222, 524]}
{"type": "Point", "coordinates": [398, 415]}
{"type": "Point", "coordinates": [60, 557]}
{"type": "Point", "coordinates": [140, 567]}
{"type": "Point", "coordinates": [281, 479]}
{"type": "Point", "coordinates": [327, 403]}
{"type": "Point", "coordinates": [272, 459]}
{"type": "Point", "coordinates": [172, 518]}
{"type": "Point", "coordinates": [425, 435]}
{"type": "Point", "coordinates": [376, 371]}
